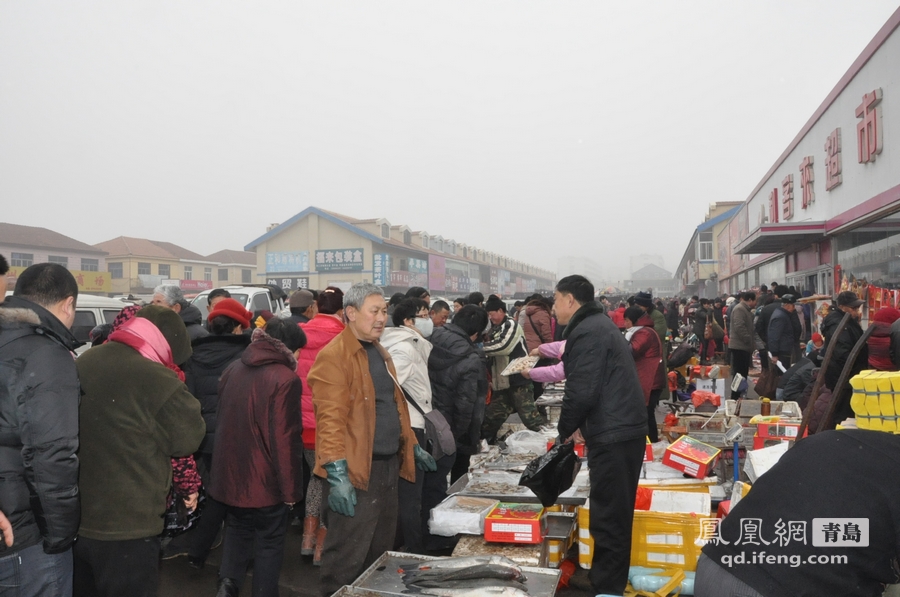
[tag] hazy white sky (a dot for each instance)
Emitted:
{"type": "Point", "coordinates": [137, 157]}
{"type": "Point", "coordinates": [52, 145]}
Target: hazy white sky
{"type": "Point", "coordinates": [534, 129]}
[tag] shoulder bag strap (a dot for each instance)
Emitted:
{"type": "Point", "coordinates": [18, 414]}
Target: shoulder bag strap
{"type": "Point", "coordinates": [411, 401]}
{"type": "Point", "coordinates": [534, 327]}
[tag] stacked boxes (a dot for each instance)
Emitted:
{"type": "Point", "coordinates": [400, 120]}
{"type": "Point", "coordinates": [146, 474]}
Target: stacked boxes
{"type": "Point", "coordinates": [876, 400]}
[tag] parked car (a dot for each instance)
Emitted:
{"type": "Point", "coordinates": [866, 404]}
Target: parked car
{"type": "Point", "coordinates": [253, 297]}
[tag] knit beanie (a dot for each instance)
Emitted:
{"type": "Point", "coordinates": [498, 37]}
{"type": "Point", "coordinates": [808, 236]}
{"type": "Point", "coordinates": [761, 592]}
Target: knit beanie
{"type": "Point", "coordinates": [231, 309]}
{"type": "Point", "coordinates": [494, 304]}
{"type": "Point", "coordinates": [644, 299]}
{"type": "Point", "coordinates": [172, 328]}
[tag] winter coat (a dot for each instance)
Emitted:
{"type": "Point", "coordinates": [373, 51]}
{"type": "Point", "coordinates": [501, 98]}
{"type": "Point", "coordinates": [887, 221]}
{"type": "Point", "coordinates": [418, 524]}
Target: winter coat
{"type": "Point", "coordinates": [672, 316]}
{"type": "Point", "coordinates": [410, 351]}
{"type": "Point", "coordinates": [298, 319]}
{"type": "Point", "coordinates": [603, 391]}
{"type": "Point", "coordinates": [39, 395]}
{"type": "Point", "coordinates": [193, 321]}
{"type": "Point", "coordinates": [848, 338]}
{"type": "Point", "coordinates": [741, 335]}
{"type": "Point", "coordinates": [535, 322]}
{"type": "Point", "coordinates": [647, 353]}
{"type": "Point", "coordinates": [780, 336]}
{"type": "Point", "coordinates": [258, 457]}
{"type": "Point", "coordinates": [762, 322]}
{"type": "Point", "coordinates": [135, 416]}
{"type": "Point", "coordinates": [895, 344]}
{"type": "Point", "coordinates": [211, 356]}
{"type": "Point", "coordinates": [343, 396]}
{"type": "Point", "coordinates": [459, 387]}
{"type": "Point", "coordinates": [502, 344]}
{"type": "Point", "coordinates": [796, 379]}
{"type": "Point", "coordinates": [320, 330]}
{"type": "Point", "coordinates": [617, 316]}
{"type": "Point", "coordinates": [701, 318]}
{"type": "Point", "coordinates": [879, 345]}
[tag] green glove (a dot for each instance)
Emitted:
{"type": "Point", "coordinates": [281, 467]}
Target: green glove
{"type": "Point", "coordinates": [342, 496]}
{"type": "Point", "coordinates": [424, 460]}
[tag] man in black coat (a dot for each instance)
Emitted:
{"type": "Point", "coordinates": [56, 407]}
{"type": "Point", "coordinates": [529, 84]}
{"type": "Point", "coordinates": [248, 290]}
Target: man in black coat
{"type": "Point", "coordinates": [39, 395]}
{"type": "Point", "coordinates": [603, 398]}
{"type": "Point", "coordinates": [847, 302]}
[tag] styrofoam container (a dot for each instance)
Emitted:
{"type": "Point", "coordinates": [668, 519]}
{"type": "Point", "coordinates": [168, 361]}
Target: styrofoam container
{"type": "Point", "coordinates": [447, 519]}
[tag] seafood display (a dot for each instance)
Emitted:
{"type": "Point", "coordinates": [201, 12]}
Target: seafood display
{"type": "Point", "coordinates": [488, 575]}
{"type": "Point", "coordinates": [486, 487]}
{"type": "Point", "coordinates": [519, 365]}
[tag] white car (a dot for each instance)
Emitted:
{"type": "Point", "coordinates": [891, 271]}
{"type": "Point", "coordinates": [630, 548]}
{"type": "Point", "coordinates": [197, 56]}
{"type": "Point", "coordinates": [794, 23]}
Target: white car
{"type": "Point", "coordinates": [253, 298]}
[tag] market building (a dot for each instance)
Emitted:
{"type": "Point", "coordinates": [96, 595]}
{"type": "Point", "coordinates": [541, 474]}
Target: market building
{"type": "Point", "coordinates": [138, 265]}
{"type": "Point", "coordinates": [652, 277]}
{"type": "Point", "coordinates": [699, 269]}
{"type": "Point", "coordinates": [826, 216]}
{"type": "Point", "coordinates": [318, 248]}
{"type": "Point", "coordinates": [26, 245]}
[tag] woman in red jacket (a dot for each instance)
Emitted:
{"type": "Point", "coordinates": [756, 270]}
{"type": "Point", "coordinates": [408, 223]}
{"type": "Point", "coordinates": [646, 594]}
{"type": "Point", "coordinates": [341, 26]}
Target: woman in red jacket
{"type": "Point", "coordinates": [320, 330]}
{"type": "Point", "coordinates": [880, 357]}
{"type": "Point", "coordinates": [257, 465]}
{"type": "Point", "coordinates": [647, 352]}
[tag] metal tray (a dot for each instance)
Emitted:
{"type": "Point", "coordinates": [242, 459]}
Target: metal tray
{"type": "Point", "coordinates": [348, 591]}
{"type": "Point", "coordinates": [382, 575]}
{"type": "Point", "coordinates": [526, 496]}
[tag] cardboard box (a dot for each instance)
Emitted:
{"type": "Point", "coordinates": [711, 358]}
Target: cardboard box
{"type": "Point", "coordinates": [766, 442]}
{"type": "Point", "coordinates": [691, 456]}
{"type": "Point", "coordinates": [778, 430]}
{"type": "Point", "coordinates": [514, 523]}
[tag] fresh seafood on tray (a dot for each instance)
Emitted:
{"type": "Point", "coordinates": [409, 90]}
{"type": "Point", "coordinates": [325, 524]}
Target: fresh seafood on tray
{"type": "Point", "coordinates": [495, 576]}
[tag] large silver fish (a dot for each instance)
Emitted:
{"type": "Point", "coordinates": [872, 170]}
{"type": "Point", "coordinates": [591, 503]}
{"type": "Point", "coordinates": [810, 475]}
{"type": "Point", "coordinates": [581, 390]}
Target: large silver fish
{"type": "Point", "coordinates": [494, 571]}
{"type": "Point", "coordinates": [465, 562]}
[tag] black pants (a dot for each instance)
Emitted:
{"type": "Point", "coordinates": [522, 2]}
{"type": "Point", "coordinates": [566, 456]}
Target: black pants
{"type": "Point", "coordinates": [116, 568]}
{"type": "Point", "coordinates": [614, 472]}
{"type": "Point", "coordinates": [409, 515]}
{"type": "Point", "coordinates": [652, 428]}
{"type": "Point", "coordinates": [740, 363]}
{"type": "Point", "coordinates": [257, 534]}
{"type": "Point", "coordinates": [204, 534]}
{"type": "Point", "coordinates": [354, 542]}
{"type": "Point", "coordinates": [460, 466]}
{"type": "Point", "coordinates": [434, 492]}
{"type": "Point", "coordinates": [764, 359]}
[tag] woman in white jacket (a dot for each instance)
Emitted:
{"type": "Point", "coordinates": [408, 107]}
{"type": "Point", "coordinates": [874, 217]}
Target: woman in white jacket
{"type": "Point", "coordinates": [409, 348]}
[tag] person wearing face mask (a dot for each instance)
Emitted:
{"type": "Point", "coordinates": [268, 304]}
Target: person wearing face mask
{"type": "Point", "coordinates": [406, 343]}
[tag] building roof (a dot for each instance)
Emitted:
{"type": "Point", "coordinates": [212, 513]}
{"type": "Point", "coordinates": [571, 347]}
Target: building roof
{"type": "Point", "coordinates": [719, 218]}
{"type": "Point", "coordinates": [651, 272]}
{"type": "Point", "coordinates": [351, 223]}
{"type": "Point", "coordinates": [142, 247]}
{"type": "Point", "coordinates": [229, 256]}
{"type": "Point", "coordinates": [42, 238]}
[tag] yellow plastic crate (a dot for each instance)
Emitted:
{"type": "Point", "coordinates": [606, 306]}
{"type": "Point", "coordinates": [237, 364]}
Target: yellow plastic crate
{"type": "Point", "coordinates": [658, 539]}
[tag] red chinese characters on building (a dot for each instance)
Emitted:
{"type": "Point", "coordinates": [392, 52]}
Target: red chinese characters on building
{"type": "Point", "coordinates": [868, 130]}
{"type": "Point", "coordinates": [833, 159]}
{"type": "Point", "coordinates": [787, 197]}
{"type": "Point", "coordinates": [773, 206]}
{"type": "Point", "coordinates": [807, 178]}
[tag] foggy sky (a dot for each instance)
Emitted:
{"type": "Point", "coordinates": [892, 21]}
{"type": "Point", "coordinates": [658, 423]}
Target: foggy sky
{"type": "Point", "coordinates": [532, 129]}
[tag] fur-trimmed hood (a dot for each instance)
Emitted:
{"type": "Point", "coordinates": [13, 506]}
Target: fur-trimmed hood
{"type": "Point", "coordinates": [27, 317]}
{"type": "Point", "coordinates": [266, 350]}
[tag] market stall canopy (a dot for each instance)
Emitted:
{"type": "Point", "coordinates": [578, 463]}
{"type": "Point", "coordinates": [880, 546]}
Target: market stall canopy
{"type": "Point", "coordinates": [781, 237]}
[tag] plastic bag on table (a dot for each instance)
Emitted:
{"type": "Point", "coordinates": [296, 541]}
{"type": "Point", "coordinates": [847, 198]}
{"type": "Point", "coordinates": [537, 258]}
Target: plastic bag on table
{"type": "Point", "coordinates": [526, 442]}
{"type": "Point", "coordinates": [701, 396]}
{"type": "Point", "coordinates": [553, 473]}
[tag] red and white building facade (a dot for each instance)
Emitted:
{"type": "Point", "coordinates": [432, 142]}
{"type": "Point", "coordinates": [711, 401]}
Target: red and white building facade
{"type": "Point", "coordinates": [827, 213]}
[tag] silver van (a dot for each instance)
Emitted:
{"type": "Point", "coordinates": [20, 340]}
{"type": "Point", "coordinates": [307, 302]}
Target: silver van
{"type": "Point", "coordinates": [253, 298]}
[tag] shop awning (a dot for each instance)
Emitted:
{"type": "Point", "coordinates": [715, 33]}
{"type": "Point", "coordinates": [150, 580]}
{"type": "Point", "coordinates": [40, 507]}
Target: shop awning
{"type": "Point", "coordinates": [782, 237]}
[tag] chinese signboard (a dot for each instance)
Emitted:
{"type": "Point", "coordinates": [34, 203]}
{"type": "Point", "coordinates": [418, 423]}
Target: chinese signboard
{"type": "Point", "coordinates": [806, 182]}
{"type": "Point", "coordinates": [787, 197]}
{"type": "Point", "coordinates": [833, 159]}
{"type": "Point", "coordinates": [339, 260]}
{"type": "Point", "coordinates": [868, 130]}
{"type": "Point", "coordinates": [292, 261]}
{"type": "Point", "coordinates": [291, 283]}
{"type": "Point", "coordinates": [381, 267]}
{"type": "Point", "coordinates": [87, 281]}
{"type": "Point", "coordinates": [418, 266]}
{"type": "Point", "coordinates": [197, 285]}
{"type": "Point", "coordinates": [436, 272]}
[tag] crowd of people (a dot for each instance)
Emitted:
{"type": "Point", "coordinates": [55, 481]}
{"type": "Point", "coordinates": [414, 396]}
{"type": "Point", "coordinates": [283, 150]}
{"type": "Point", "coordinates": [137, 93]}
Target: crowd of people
{"type": "Point", "coordinates": [383, 401]}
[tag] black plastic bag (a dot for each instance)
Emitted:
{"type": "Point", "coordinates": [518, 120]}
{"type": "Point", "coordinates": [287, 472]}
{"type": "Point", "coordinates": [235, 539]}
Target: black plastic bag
{"type": "Point", "coordinates": [553, 473]}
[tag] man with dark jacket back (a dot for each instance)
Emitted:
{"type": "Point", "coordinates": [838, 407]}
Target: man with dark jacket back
{"type": "Point", "coordinates": [762, 321]}
{"type": "Point", "coordinates": [604, 398]}
{"type": "Point", "coordinates": [780, 337]}
{"type": "Point", "coordinates": [456, 368]}
{"type": "Point", "coordinates": [847, 302]}
{"type": "Point", "coordinates": [39, 407]}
